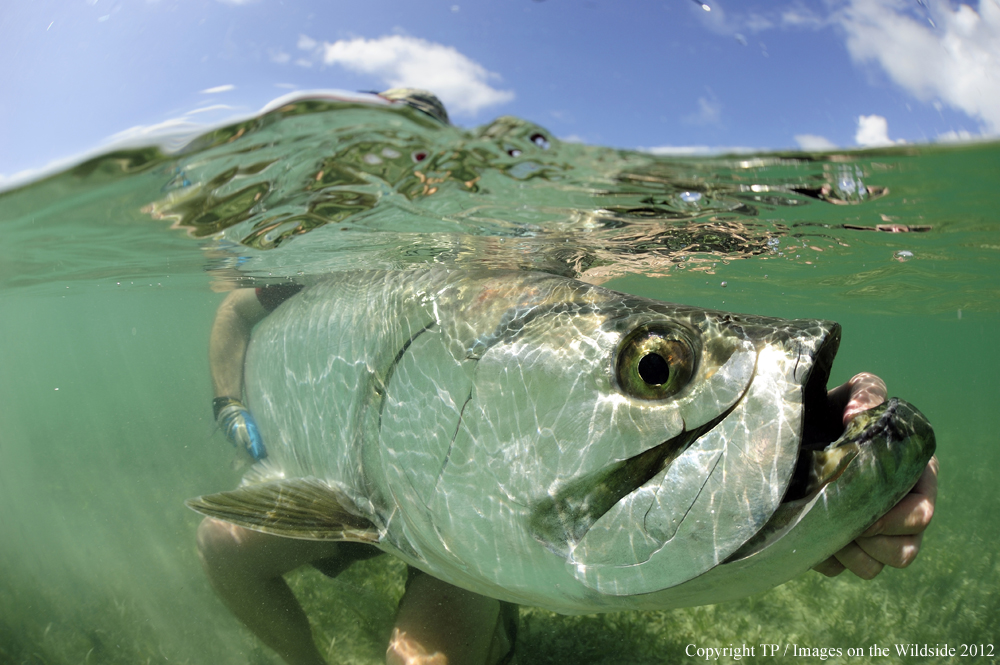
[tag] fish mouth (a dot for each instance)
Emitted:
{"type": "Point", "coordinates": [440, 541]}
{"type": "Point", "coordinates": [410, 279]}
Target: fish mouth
{"type": "Point", "coordinates": [820, 464]}
{"type": "Point", "coordinates": [829, 440]}
{"type": "Point", "coordinates": [822, 421]}
{"type": "Point", "coordinates": [893, 441]}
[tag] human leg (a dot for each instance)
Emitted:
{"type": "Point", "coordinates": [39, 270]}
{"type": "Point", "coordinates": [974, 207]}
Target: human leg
{"type": "Point", "coordinates": [440, 624]}
{"type": "Point", "coordinates": [245, 568]}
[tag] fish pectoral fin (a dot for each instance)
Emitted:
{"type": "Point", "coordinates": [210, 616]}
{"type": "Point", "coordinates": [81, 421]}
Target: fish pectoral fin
{"type": "Point", "coordinates": [304, 508]}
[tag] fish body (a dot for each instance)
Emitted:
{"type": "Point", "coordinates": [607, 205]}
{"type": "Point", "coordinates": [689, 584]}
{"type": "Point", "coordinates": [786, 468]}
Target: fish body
{"type": "Point", "coordinates": [552, 443]}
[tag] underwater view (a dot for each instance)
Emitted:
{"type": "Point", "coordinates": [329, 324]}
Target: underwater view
{"type": "Point", "coordinates": [113, 270]}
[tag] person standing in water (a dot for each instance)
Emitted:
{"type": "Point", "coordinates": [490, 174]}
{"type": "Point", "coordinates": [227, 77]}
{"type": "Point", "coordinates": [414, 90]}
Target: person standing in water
{"type": "Point", "coordinates": [436, 623]}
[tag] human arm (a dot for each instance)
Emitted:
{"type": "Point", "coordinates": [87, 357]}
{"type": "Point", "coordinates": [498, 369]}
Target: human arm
{"type": "Point", "coordinates": [234, 321]}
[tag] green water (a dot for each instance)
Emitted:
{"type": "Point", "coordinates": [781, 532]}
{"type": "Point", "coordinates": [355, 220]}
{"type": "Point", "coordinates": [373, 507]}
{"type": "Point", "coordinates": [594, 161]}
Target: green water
{"type": "Point", "coordinates": [110, 276]}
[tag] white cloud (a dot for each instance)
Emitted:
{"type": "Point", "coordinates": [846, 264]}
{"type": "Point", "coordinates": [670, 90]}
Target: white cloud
{"type": "Point", "coordinates": [757, 23]}
{"type": "Point", "coordinates": [801, 17]}
{"type": "Point", "coordinates": [814, 142]}
{"type": "Point", "coordinates": [795, 15]}
{"type": "Point", "coordinates": [954, 59]}
{"type": "Point", "coordinates": [959, 136]}
{"type": "Point", "coordinates": [873, 131]}
{"type": "Point", "coordinates": [278, 56]}
{"type": "Point", "coordinates": [401, 61]}
{"type": "Point", "coordinates": [307, 43]}
{"type": "Point", "coordinates": [219, 88]}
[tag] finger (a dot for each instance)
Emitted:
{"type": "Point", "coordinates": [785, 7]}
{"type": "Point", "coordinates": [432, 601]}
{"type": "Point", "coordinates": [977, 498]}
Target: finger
{"type": "Point", "coordinates": [914, 512]}
{"type": "Point", "coordinates": [908, 517]}
{"type": "Point", "coordinates": [862, 392]}
{"type": "Point", "coordinates": [927, 485]}
{"type": "Point", "coordinates": [895, 551]}
{"type": "Point", "coordinates": [866, 392]}
{"type": "Point", "coordinates": [831, 567]}
{"type": "Point", "coordinates": [858, 562]}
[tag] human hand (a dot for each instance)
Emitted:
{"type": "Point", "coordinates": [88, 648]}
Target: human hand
{"type": "Point", "coordinates": [894, 539]}
{"type": "Point", "coordinates": [239, 426]}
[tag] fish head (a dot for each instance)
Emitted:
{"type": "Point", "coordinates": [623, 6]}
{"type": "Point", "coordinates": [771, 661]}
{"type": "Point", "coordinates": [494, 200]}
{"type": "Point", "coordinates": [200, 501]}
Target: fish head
{"type": "Point", "coordinates": [703, 413]}
{"type": "Point", "coordinates": [632, 444]}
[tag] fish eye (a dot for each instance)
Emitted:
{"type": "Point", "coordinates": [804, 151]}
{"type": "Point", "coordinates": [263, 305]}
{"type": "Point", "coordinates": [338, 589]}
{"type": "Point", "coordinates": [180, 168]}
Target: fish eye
{"type": "Point", "coordinates": [654, 364]}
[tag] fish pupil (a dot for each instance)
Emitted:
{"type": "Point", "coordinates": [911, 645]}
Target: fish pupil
{"type": "Point", "coordinates": [653, 369]}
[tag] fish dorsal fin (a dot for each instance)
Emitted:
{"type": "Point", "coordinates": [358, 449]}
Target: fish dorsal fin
{"type": "Point", "coordinates": [304, 508]}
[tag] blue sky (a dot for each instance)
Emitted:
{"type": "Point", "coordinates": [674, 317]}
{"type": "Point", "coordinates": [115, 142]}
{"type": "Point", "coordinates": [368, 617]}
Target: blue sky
{"type": "Point", "coordinates": [667, 75]}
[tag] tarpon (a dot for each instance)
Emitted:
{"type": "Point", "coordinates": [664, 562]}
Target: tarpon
{"type": "Point", "coordinates": [548, 442]}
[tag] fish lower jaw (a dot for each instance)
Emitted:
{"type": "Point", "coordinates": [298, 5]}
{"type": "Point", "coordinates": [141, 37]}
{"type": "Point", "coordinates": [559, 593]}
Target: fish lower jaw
{"type": "Point", "coordinates": [821, 467]}
{"type": "Point", "coordinates": [884, 449]}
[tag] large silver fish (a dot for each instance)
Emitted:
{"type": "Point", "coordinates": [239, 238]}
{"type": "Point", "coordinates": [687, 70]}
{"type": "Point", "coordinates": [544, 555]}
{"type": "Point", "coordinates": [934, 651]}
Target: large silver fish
{"type": "Point", "coordinates": [552, 443]}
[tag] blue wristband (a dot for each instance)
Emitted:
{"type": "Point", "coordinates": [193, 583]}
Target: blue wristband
{"type": "Point", "coordinates": [239, 426]}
